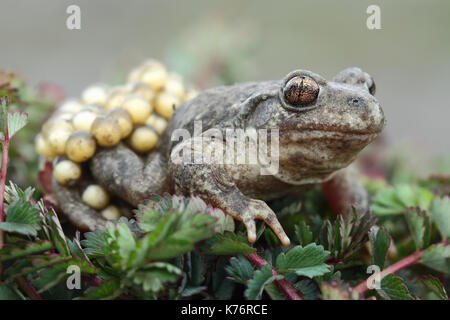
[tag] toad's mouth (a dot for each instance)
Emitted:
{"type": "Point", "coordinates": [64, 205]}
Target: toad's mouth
{"type": "Point", "coordinates": [358, 137]}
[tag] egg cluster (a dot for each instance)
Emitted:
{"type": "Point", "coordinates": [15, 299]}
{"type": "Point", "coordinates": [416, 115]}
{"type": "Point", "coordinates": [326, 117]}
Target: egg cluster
{"type": "Point", "coordinates": [136, 112]}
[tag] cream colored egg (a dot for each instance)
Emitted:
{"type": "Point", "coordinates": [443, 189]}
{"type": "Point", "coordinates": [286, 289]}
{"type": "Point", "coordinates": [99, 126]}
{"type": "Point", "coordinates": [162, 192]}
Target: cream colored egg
{"type": "Point", "coordinates": [57, 139]}
{"type": "Point", "coordinates": [123, 119]}
{"type": "Point", "coordinates": [71, 106]}
{"type": "Point", "coordinates": [43, 147]}
{"type": "Point", "coordinates": [175, 85]}
{"type": "Point", "coordinates": [138, 108]}
{"type": "Point", "coordinates": [95, 196]}
{"type": "Point", "coordinates": [95, 95]}
{"type": "Point", "coordinates": [143, 139]}
{"type": "Point", "coordinates": [111, 212]}
{"type": "Point", "coordinates": [66, 171]}
{"type": "Point", "coordinates": [80, 146]}
{"type": "Point", "coordinates": [154, 75]}
{"type": "Point", "coordinates": [157, 122]}
{"type": "Point", "coordinates": [84, 119]}
{"type": "Point", "coordinates": [117, 96]}
{"type": "Point", "coordinates": [144, 90]}
{"type": "Point", "coordinates": [56, 124]}
{"type": "Point", "coordinates": [106, 131]}
{"type": "Point", "coordinates": [166, 103]}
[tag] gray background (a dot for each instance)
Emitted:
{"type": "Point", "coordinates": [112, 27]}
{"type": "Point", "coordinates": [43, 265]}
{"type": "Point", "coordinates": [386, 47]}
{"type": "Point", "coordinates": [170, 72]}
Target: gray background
{"type": "Point", "coordinates": [409, 57]}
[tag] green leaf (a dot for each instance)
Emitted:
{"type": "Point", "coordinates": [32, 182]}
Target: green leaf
{"type": "Point", "coordinates": [228, 244]}
{"type": "Point", "coordinates": [16, 121]}
{"type": "Point", "coordinates": [21, 218]}
{"type": "Point", "coordinates": [3, 113]}
{"type": "Point", "coordinates": [394, 200]}
{"type": "Point", "coordinates": [437, 257]}
{"type": "Point", "coordinates": [108, 290]}
{"type": "Point", "coordinates": [7, 293]}
{"type": "Point", "coordinates": [380, 241]}
{"type": "Point", "coordinates": [433, 284]}
{"type": "Point", "coordinates": [306, 261]}
{"type": "Point", "coordinates": [440, 212]}
{"type": "Point", "coordinates": [260, 279]}
{"type": "Point", "coordinates": [22, 249]}
{"type": "Point", "coordinates": [307, 289]}
{"type": "Point", "coordinates": [240, 269]}
{"type": "Point", "coordinates": [154, 275]}
{"type": "Point", "coordinates": [346, 236]}
{"type": "Point", "coordinates": [275, 292]}
{"type": "Point", "coordinates": [95, 243]}
{"type": "Point", "coordinates": [50, 277]}
{"type": "Point", "coordinates": [303, 234]}
{"type": "Point", "coordinates": [57, 234]}
{"type": "Point", "coordinates": [393, 288]}
{"type": "Point", "coordinates": [222, 287]}
{"type": "Point", "coordinates": [419, 225]}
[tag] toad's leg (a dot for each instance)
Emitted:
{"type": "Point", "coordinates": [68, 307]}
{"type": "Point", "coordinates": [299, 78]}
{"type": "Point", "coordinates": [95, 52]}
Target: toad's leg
{"type": "Point", "coordinates": [123, 174]}
{"type": "Point", "coordinates": [345, 190]}
{"type": "Point", "coordinates": [210, 181]}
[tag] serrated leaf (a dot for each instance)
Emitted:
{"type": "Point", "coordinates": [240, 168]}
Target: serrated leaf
{"type": "Point", "coordinates": [346, 236]}
{"type": "Point", "coordinates": [31, 264]}
{"type": "Point", "coordinates": [95, 243]}
{"type": "Point", "coordinates": [50, 277]}
{"type": "Point", "coordinates": [16, 121]}
{"type": "Point", "coordinates": [437, 257]}
{"type": "Point", "coordinates": [419, 226]}
{"type": "Point", "coordinates": [306, 261]}
{"type": "Point", "coordinates": [7, 293]}
{"type": "Point", "coordinates": [260, 279]}
{"type": "Point", "coordinates": [222, 287]}
{"type": "Point", "coordinates": [394, 200]}
{"type": "Point", "coordinates": [380, 241]}
{"type": "Point", "coordinates": [21, 218]}
{"type": "Point", "coordinates": [440, 212]}
{"type": "Point", "coordinates": [3, 114]}
{"type": "Point", "coordinates": [240, 269]}
{"type": "Point", "coordinates": [433, 284]}
{"type": "Point", "coordinates": [154, 275]}
{"type": "Point", "coordinates": [303, 234]}
{"type": "Point", "coordinates": [57, 234]}
{"type": "Point", "coordinates": [107, 290]}
{"type": "Point", "coordinates": [22, 249]}
{"type": "Point", "coordinates": [393, 288]}
{"type": "Point", "coordinates": [307, 289]}
{"type": "Point", "coordinates": [228, 244]}
{"type": "Point", "coordinates": [274, 292]}
{"type": "Point", "coordinates": [197, 269]}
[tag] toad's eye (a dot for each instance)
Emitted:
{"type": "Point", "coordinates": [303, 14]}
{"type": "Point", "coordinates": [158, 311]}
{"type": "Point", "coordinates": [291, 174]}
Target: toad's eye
{"type": "Point", "coordinates": [301, 90]}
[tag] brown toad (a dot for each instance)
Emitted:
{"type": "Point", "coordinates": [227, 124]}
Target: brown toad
{"type": "Point", "coordinates": [321, 127]}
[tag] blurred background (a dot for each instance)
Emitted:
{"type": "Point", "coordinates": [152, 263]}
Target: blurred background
{"type": "Point", "coordinates": [222, 42]}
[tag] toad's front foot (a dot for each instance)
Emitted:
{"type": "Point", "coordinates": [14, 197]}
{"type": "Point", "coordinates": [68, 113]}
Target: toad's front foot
{"type": "Point", "coordinates": [214, 185]}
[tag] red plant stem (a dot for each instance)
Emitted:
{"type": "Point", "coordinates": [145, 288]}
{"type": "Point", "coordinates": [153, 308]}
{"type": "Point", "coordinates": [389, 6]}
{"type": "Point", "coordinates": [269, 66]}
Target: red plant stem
{"type": "Point", "coordinates": [28, 288]}
{"type": "Point", "coordinates": [399, 265]}
{"type": "Point", "coordinates": [283, 284]}
{"type": "Point", "coordinates": [3, 172]}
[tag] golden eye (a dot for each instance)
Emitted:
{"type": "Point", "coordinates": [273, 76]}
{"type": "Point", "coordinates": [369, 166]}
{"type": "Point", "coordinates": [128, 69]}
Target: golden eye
{"type": "Point", "coordinates": [301, 90]}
